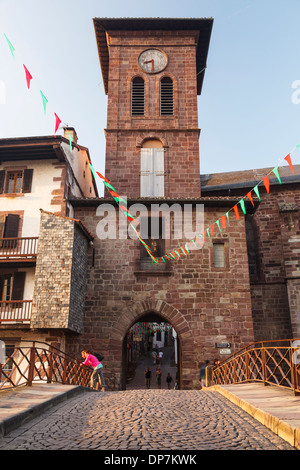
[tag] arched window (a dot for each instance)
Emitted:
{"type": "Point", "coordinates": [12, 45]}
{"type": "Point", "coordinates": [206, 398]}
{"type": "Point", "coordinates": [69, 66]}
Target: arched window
{"type": "Point", "coordinates": [137, 97]}
{"type": "Point", "coordinates": [166, 97]}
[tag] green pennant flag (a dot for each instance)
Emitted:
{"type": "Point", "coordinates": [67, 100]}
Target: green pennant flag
{"type": "Point", "coordinates": [45, 101]}
{"type": "Point", "coordinates": [242, 204]}
{"type": "Point", "coordinates": [12, 49]}
{"type": "Point", "coordinates": [227, 215]}
{"type": "Point", "coordinates": [208, 232]}
{"type": "Point", "coordinates": [218, 224]}
{"type": "Point", "coordinates": [276, 172]}
{"type": "Point", "coordinates": [256, 191]}
{"type": "Point", "coordinates": [185, 246]}
{"type": "Point", "coordinates": [70, 142]}
{"type": "Point", "coordinates": [92, 170]}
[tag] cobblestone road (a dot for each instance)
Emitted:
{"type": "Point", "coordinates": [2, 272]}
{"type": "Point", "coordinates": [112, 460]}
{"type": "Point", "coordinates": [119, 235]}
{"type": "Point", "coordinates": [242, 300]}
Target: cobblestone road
{"type": "Point", "coordinates": [144, 420]}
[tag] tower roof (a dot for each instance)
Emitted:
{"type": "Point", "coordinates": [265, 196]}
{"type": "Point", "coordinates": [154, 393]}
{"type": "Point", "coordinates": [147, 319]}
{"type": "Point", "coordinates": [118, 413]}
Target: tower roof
{"type": "Point", "coordinates": [203, 25]}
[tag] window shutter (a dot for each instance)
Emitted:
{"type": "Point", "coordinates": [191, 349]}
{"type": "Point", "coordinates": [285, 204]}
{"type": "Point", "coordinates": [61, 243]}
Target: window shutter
{"type": "Point", "coordinates": [146, 172]}
{"type": "Point", "coordinates": [2, 177]}
{"type": "Point", "coordinates": [27, 180]}
{"type": "Point", "coordinates": [152, 172]}
{"type": "Point", "coordinates": [11, 226]}
{"type": "Point", "coordinates": [159, 171]}
{"type": "Point", "coordinates": [2, 224]}
{"type": "Point", "coordinates": [137, 97]}
{"type": "Point", "coordinates": [166, 97]}
{"type": "Point", "coordinates": [18, 286]}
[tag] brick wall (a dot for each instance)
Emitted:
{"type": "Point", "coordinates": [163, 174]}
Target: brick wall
{"type": "Point", "coordinates": [179, 133]}
{"type": "Point", "coordinates": [205, 305]}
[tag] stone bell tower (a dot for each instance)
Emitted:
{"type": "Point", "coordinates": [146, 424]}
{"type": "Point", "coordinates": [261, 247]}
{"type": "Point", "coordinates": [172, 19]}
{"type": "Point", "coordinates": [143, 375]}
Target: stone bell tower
{"type": "Point", "coordinates": [153, 71]}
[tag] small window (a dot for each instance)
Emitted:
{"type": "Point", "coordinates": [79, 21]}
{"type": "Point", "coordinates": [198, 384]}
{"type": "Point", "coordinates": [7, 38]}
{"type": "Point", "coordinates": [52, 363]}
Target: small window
{"type": "Point", "coordinates": [219, 255]}
{"type": "Point", "coordinates": [138, 97]}
{"type": "Point", "coordinates": [14, 182]}
{"type": "Point", "coordinates": [166, 97]}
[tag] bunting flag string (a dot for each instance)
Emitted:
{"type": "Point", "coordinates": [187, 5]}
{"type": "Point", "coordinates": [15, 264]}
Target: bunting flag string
{"type": "Point", "coordinates": [199, 240]}
{"type": "Point", "coordinates": [224, 219]}
{"type": "Point", "coordinates": [28, 78]}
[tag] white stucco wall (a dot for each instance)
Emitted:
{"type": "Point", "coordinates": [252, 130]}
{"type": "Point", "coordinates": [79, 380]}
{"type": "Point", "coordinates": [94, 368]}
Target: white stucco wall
{"type": "Point", "coordinates": [39, 198]}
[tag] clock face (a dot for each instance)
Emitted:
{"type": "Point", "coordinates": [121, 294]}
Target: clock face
{"type": "Point", "coordinates": [153, 60]}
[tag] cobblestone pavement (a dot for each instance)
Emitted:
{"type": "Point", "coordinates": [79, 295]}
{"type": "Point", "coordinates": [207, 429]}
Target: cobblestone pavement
{"type": "Point", "coordinates": [144, 420]}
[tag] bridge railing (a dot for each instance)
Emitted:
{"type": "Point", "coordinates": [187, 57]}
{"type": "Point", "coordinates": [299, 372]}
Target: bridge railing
{"type": "Point", "coordinates": [37, 362]}
{"type": "Point", "coordinates": [268, 362]}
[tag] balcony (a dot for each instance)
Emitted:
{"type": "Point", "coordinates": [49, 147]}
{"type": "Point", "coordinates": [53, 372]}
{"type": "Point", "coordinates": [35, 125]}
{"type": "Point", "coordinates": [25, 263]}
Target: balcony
{"type": "Point", "coordinates": [17, 311]}
{"type": "Point", "coordinates": [18, 249]}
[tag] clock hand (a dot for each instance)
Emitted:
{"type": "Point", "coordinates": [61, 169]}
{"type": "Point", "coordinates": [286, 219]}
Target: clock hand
{"type": "Point", "coordinates": [148, 62]}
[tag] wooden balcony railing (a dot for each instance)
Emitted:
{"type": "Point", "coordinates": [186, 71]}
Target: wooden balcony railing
{"type": "Point", "coordinates": [15, 311]}
{"type": "Point", "coordinates": [12, 249]}
{"type": "Point", "coordinates": [38, 362]}
{"type": "Point", "coordinates": [268, 362]}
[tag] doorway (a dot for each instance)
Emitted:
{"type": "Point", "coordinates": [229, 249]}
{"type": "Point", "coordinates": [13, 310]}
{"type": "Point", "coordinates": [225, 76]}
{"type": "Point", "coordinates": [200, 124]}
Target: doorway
{"type": "Point", "coordinates": [151, 343]}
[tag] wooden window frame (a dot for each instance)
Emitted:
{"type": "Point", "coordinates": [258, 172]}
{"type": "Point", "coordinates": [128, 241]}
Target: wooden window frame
{"type": "Point", "coordinates": [220, 241]}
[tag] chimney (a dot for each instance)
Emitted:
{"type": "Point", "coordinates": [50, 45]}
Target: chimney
{"type": "Point", "coordinates": [72, 132]}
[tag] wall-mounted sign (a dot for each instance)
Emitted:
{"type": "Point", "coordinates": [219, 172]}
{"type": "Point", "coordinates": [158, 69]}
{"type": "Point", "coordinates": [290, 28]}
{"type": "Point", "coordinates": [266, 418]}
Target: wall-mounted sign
{"type": "Point", "coordinates": [223, 345]}
{"type": "Point", "coordinates": [225, 351]}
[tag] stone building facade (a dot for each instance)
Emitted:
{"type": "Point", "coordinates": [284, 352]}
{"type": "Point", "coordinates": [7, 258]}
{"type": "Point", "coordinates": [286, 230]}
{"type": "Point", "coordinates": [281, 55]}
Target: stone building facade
{"type": "Point", "coordinates": [206, 303]}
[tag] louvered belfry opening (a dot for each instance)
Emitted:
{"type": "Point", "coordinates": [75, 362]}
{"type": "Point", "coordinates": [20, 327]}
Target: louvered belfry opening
{"type": "Point", "coordinates": [166, 97]}
{"type": "Point", "coordinates": [138, 97]}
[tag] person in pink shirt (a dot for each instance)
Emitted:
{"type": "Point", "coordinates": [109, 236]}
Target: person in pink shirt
{"type": "Point", "coordinates": [97, 375]}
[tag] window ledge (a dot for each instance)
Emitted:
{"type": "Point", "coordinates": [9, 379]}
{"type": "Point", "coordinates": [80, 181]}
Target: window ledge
{"type": "Point", "coordinates": [12, 195]}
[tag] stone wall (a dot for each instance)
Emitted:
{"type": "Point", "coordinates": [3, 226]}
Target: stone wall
{"type": "Point", "coordinates": [60, 275]}
{"type": "Point", "coordinates": [205, 305]}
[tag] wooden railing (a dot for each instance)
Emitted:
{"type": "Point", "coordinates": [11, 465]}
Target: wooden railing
{"type": "Point", "coordinates": [18, 248]}
{"type": "Point", "coordinates": [15, 311]}
{"type": "Point", "coordinates": [268, 362]}
{"type": "Point", "coordinates": [38, 362]}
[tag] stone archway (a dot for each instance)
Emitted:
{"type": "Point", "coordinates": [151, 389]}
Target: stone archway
{"type": "Point", "coordinates": [134, 312]}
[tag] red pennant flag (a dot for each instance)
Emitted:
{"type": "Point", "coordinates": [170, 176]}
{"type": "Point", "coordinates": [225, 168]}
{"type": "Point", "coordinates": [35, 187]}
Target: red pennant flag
{"type": "Point", "coordinates": [267, 183]}
{"type": "Point", "coordinates": [288, 159]}
{"type": "Point", "coordinates": [212, 227]}
{"type": "Point", "coordinates": [57, 122]}
{"type": "Point", "coordinates": [223, 221]}
{"type": "Point", "coordinates": [250, 197]}
{"type": "Point", "coordinates": [235, 208]}
{"type": "Point", "coordinates": [28, 76]}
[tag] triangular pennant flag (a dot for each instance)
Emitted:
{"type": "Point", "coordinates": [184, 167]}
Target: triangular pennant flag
{"type": "Point", "coordinates": [45, 101]}
{"type": "Point", "coordinates": [227, 215]}
{"type": "Point", "coordinates": [235, 208]}
{"type": "Point", "coordinates": [212, 227]}
{"type": "Point", "coordinates": [218, 224]}
{"type": "Point", "coordinates": [57, 122]}
{"type": "Point", "coordinates": [92, 169]}
{"type": "Point", "coordinates": [242, 204]}
{"type": "Point", "coordinates": [250, 197]}
{"type": "Point", "coordinates": [223, 221]}
{"type": "Point", "coordinates": [267, 183]}
{"type": "Point", "coordinates": [70, 142]}
{"type": "Point", "coordinates": [288, 159]}
{"type": "Point", "coordinates": [28, 76]}
{"type": "Point", "coordinates": [256, 191]}
{"type": "Point", "coordinates": [276, 173]}
{"type": "Point", "coordinates": [207, 230]}
{"type": "Point", "coordinates": [12, 49]}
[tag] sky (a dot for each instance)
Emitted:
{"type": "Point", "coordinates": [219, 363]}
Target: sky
{"type": "Point", "coordinates": [249, 109]}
